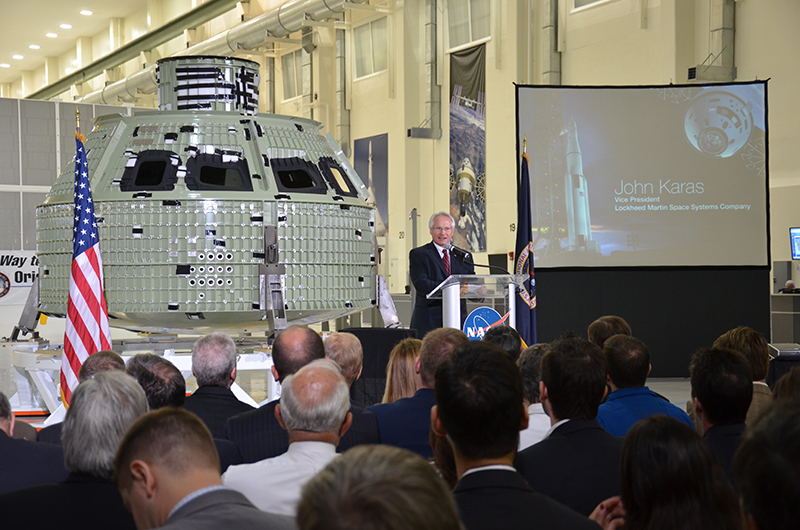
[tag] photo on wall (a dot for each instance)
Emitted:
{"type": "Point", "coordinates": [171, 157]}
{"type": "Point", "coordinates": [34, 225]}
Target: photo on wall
{"type": "Point", "coordinates": [371, 161]}
{"type": "Point", "coordinates": [468, 147]}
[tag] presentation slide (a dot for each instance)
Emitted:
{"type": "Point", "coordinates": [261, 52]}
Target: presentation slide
{"type": "Point", "coordinates": [647, 176]}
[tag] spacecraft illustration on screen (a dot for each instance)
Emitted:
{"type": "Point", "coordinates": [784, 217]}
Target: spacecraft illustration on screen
{"type": "Point", "coordinates": [718, 122]}
{"type": "Point", "coordinates": [579, 223]}
{"type": "Point", "coordinates": [214, 216]}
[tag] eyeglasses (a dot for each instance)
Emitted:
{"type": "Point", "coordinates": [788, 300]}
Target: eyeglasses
{"type": "Point", "coordinates": [443, 228]}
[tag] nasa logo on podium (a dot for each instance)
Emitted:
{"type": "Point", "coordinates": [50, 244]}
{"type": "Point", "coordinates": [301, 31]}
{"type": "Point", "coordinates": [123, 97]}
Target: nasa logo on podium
{"type": "Point", "coordinates": [480, 320]}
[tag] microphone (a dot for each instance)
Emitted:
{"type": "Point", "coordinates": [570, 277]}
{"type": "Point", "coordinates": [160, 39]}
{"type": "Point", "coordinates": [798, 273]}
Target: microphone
{"type": "Point", "coordinates": [461, 254]}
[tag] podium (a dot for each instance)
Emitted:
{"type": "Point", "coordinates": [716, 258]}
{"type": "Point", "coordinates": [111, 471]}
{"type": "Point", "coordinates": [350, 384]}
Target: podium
{"type": "Point", "coordinates": [486, 286]}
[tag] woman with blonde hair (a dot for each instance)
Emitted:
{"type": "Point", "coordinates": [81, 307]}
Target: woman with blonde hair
{"type": "Point", "coordinates": [402, 379]}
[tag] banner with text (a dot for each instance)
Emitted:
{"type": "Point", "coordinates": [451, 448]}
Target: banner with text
{"type": "Point", "coordinates": [18, 269]}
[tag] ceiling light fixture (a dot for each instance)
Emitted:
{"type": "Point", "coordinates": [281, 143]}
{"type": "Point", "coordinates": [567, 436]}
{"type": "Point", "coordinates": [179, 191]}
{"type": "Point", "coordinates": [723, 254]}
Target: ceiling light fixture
{"type": "Point", "coordinates": [34, 46]}
{"type": "Point", "coordinates": [51, 35]}
{"type": "Point", "coordinates": [17, 57]}
{"type": "Point", "coordinates": [65, 26]}
{"type": "Point", "coordinates": [86, 12]}
{"type": "Point", "coordinates": [5, 65]}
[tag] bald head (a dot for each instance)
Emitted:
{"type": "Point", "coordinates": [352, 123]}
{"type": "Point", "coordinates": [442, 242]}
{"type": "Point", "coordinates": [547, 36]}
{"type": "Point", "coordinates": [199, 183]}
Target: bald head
{"type": "Point", "coordinates": [315, 399]}
{"type": "Point", "coordinates": [295, 347]}
{"type": "Point", "coordinates": [102, 361]}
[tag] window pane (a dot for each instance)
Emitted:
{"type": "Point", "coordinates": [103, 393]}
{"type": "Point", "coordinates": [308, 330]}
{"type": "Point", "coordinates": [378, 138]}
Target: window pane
{"type": "Point", "coordinates": [363, 50]}
{"type": "Point", "coordinates": [481, 19]}
{"type": "Point", "coordinates": [150, 173]}
{"type": "Point", "coordinates": [341, 180]}
{"type": "Point", "coordinates": [458, 17]}
{"type": "Point", "coordinates": [584, 3]}
{"type": "Point", "coordinates": [379, 43]}
{"type": "Point", "coordinates": [296, 179]}
{"type": "Point", "coordinates": [289, 88]}
{"type": "Point", "coordinates": [298, 70]}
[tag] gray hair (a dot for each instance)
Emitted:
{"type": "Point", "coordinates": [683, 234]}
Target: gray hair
{"type": "Point", "coordinates": [213, 359]}
{"type": "Point", "coordinates": [441, 214]}
{"type": "Point", "coordinates": [5, 409]}
{"type": "Point", "coordinates": [101, 411]}
{"type": "Point", "coordinates": [322, 410]}
{"type": "Point", "coordinates": [346, 351]}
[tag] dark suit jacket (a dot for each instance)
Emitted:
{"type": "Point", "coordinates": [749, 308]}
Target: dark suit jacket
{"type": "Point", "coordinates": [24, 464]}
{"type": "Point", "coordinates": [498, 499]}
{"type": "Point", "coordinates": [406, 422]}
{"type": "Point", "coordinates": [258, 435]}
{"type": "Point", "coordinates": [214, 405]}
{"type": "Point", "coordinates": [81, 501]}
{"type": "Point", "coordinates": [426, 269]}
{"type": "Point", "coordinates": [724, 440]}
{"type": "Point", "coordinates": [51, 434]}
{"type": "Point", "coordinates": [577, 465]}
{"type": "Point", "coordinates": [225, 509]}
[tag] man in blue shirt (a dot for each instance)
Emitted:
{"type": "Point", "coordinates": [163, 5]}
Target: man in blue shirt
{"type": "Point", "coordinates": [630, 400]}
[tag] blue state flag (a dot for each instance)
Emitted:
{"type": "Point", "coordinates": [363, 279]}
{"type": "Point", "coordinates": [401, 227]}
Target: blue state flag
{"type": "Point", "coordinates": [526, 297]}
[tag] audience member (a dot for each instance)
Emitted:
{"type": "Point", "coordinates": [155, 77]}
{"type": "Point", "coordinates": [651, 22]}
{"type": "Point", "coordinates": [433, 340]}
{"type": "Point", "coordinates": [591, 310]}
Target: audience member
{"type": "Point", "coordinates": [161, 380]}
{"type": "Point", "coordinates": [377, 487]}
{"type": "Point", "coordinates": [214, 368]}
{"type": "Point", "coordinates": [788, 386]}
{"type": "Point", "coordinates": [479, 407]}
{"type": "Point", "coordinates": [530, 365]}
{"type": "Point", "coordinates": [167, 470]}
{"type": "Point", "coordinates": [767, 467]}
{"type": "Point", "coordinates": [670, 480]}
{"type": "Point", "coordinates": [606, 327]}
{"type": "Point", "coordinates": [257, 433]}
{"type": "Point", "coordinates": [25, 431]}
{"type": "Point", "coordinates": [755, 349]}
{"type": "Point", "coordinates": [102, 361]}
{"type": "Point", "coordinates": [577, 464]}
{"type": "Point", "coordinates": [406, 422]}
{"type": "Point", "coordinates": [506, 338]}
{"type": "Point", "coordinates": [402, 381]}
{"type": "Point", "coordinates": [100, 411]}
{"type": "Point", "coordinates": [721, 393]}
{"type": "Point", "coordinates": [314, 411]}
{"type": "Point", "coordinates": [24, 463]}
{"type": "Point", "coordinates": [345, 350]}
{"type": "Point", "coordinates": [443, 459]}
{"type": "Point", "coordinates": [788, 287]}
{"type": "Point", "coordinates": [164, 386]}
{"type": "Point", "coordinates": [630, 400]}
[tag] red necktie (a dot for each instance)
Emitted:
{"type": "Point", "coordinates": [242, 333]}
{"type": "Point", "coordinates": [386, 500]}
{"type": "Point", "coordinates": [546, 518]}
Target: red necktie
{"type": "Point", "coordinates": [446, 260]}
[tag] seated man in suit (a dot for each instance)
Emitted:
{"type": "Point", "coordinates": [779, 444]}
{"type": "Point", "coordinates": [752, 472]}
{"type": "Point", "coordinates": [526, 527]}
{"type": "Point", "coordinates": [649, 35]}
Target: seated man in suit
{"type": "Point", "coordinates": [767, 467]}
{"type": "Point", "coordinates": [214, 367]}
{"type": "Point", "coordinates": [406, 422]}
{"type": "Point", "coordinates": [721, 394]}
{"type": "Point", "coordinates": [577, 464]}
{"type": "Point", "coordinates": [428, 266]}
{"type": "Point", "coordinates": [257, 433]}
{"type": "Point", "coordinates": [479, 407]}
{"type": "Point", "coordinates": [630, 400]}
{"type": "Point", "coordinates": [313, 410]}
{"type": "Point", "coordinates": [167, 471]}
{"type": "Point", "coordinates": [165, 386]}
{"type": "Point", "coordinates": [24, 463]}
{"type": "Point", "coordinates": [102, 361]}
{"type": "Point", "coordinates": [100, 412]}
{"type": "Point", "coordinates": [377, 486]}
{"type": "Point", "coordinates": [346, 351]}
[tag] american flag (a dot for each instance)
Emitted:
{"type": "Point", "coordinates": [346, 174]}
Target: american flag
{"type": "Point", "coordinates": [87, 330]}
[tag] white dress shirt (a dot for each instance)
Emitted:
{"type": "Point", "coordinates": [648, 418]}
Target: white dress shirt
{"type": "Point", "coordinates": [538, 425]}
{"type": "Point", "coordinates": [273, 484]}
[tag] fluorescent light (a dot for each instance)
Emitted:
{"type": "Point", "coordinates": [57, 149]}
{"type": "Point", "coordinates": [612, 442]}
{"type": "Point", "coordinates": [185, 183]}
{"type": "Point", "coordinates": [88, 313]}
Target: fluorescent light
{"type": "Point", "coordinates": [86, 12]}
{"type": "Point", "coordinates": [17, 57]}
{"type": "Point", "coordinates": [5, 65]}
{"type": "Point", "coordinates": [34, 46]}
{"type": "Point", "coordinates": [51, 35]}
{"type": "Point", "coordinates": [65, 26]}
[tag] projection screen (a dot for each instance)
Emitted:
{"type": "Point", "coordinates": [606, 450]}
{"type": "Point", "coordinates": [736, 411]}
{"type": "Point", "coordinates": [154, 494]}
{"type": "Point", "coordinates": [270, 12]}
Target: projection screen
{"type": "Point", "coordinates": [647, 176]}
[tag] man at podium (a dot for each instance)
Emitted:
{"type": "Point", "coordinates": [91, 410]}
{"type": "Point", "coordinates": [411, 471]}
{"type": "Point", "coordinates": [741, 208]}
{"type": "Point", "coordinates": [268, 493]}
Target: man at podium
{"type": "Point", "coordinates": [430, 265]}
